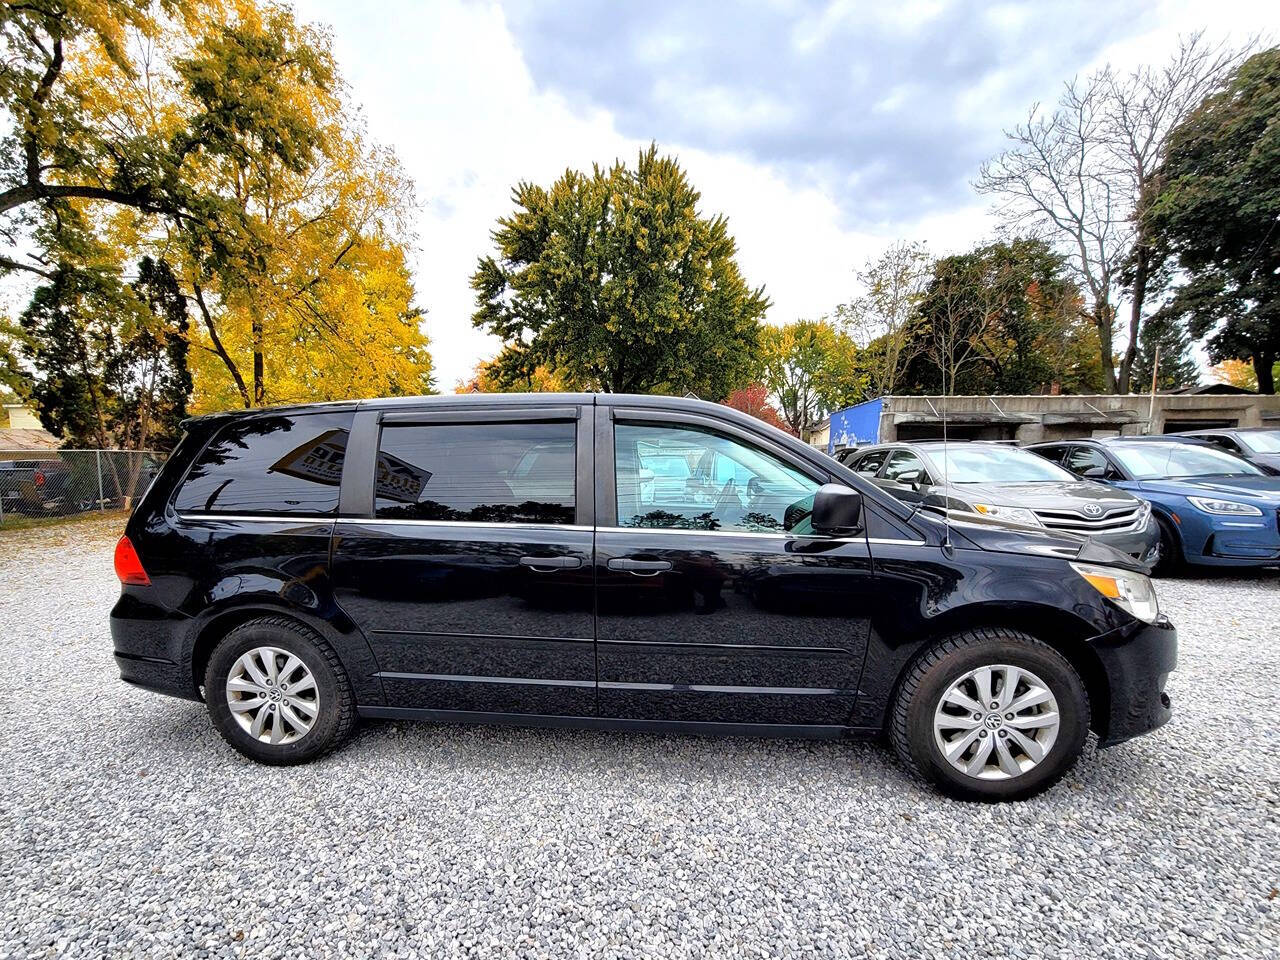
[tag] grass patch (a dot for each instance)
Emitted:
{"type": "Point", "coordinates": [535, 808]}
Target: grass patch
{"type": "Point", "coordinates": [17, 521]}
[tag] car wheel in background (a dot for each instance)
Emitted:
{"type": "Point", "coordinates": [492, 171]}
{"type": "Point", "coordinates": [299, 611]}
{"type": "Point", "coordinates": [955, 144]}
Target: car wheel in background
{"type": "Point", "coordinates": [277, 692]}
{"type": "Point", "coordinates": [990, 714]}
{"type": "Point", "coordinates": [1170, 558]}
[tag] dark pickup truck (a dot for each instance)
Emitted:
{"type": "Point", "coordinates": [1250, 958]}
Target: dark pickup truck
{"type": "Point", "coordinates": [34, 486]}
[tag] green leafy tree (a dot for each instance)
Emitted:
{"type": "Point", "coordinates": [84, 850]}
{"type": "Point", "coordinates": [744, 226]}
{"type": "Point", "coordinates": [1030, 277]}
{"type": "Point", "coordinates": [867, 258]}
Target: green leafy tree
{"type": "Point", "coordinates": [1216, 213]}
{"type": "Point", "coordinates": [108, 360]}
{"type": "Point", "coordinates": [613, 281]}
{"type": "Point", "coordinates": [14, 381]}
{"type": "Point", "coordinates": [880, 319]}
{"type": "Point", "coordinates": [1003, 318]}
{"type": "Point", "coordinates": [1166, 334]}
{"type": "Point", "coordinates": [811, 368]}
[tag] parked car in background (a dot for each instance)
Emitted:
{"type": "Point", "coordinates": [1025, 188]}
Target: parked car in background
{"type": "Point", "coordinates": [1259, 445]}
{"type": "Point", "coordinates": [1007, 483]}
{"type": "Point", "coordinates": [1213, 508]}
{"type": "Point", "coordinates": [542, 559]}
{"type": "Point", "coordinates": [34, 487]}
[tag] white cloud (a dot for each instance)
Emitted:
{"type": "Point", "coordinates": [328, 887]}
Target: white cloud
{"type": "Point", "coordinates": [447, 85]}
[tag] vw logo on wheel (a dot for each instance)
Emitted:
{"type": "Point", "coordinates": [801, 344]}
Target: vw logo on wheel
{"type": "Point", "coordinates": [1093, 510]}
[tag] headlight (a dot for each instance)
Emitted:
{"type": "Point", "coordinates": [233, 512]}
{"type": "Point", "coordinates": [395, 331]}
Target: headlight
{"type": "Point", "coordinates": [1144, 511]}
{"type": "Point", "coordinates": [1225, 508]}
{"type": "Point", "coordinates": [1132, 592]}
{"type": "Point", "coordinates": [1012, 514]}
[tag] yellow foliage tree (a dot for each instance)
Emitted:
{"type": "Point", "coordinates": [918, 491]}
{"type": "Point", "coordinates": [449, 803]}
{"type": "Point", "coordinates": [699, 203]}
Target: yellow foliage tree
{"type": "Point", "coordinates": [485, 378]}
{"type": "Point", "coordinates": [216, 136]}
{"type": "Point", "coordinates": [311, 298]}
{"type": "Point", "coordinates": [1237, 373]}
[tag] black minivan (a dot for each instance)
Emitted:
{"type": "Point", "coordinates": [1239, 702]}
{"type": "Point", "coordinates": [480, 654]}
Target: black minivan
{"type": "Point", "coordinates": [623, 562]}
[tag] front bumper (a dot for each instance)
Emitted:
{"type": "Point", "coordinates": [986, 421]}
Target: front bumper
{"type": "Point", "coordinates": [1137, 660]}
{"type": "Point", "coordinates": [1143, 545]}
{"type": "Point", "coordinates": [1239, 542]}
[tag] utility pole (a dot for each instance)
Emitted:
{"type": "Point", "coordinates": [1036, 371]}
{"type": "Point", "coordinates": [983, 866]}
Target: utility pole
{"type": "Point", "coordinates": [1151, 410]}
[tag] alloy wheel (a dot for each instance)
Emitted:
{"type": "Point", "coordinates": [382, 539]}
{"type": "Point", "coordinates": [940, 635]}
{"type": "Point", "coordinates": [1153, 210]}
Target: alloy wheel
{"type": "Point", "coordinates": [272, 695]}
{"type": "Point", "coordinates": [996, 722]}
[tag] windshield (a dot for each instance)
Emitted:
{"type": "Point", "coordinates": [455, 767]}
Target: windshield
{"type": "Point", "coordinates": [1150, 461]}
{"type": "Point", "coordinates": [971, 463]}
{"type": "Point", "coordinates": [1268, 442]}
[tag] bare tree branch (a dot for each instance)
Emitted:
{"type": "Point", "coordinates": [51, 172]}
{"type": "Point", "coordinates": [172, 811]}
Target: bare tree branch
{"type": "Point", "coordinates": [1077, 176]}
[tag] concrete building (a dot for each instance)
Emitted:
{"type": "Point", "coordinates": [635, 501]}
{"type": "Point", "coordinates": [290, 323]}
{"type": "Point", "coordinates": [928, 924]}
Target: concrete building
{"type": "Point", "coordinates": [1028, 419]}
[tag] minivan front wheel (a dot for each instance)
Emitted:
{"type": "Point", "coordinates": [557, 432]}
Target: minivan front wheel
{"type": "Point", "coordinates": [277, 692]}
{"type": "Point", "coordinates": [991, 714]}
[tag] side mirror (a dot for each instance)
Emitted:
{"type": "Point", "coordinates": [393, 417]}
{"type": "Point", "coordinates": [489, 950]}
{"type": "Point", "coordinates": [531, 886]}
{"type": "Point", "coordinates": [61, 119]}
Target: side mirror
{"type": "Point", "coordinates": [837, 509]}
{"type": "Point", "coordinates": [910, 478]}
{"type": "Point", "coordinates": [1094, 473]}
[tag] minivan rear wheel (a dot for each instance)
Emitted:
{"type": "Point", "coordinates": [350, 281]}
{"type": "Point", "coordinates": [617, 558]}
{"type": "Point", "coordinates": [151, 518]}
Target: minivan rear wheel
{"type": "Point", "coordinates": [277, 692]}
{"type": "Point", "coordinates": [991, 714]}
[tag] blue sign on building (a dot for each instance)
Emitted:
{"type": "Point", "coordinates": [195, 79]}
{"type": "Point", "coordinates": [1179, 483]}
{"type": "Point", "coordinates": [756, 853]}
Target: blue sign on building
{"type": "Point", "coordinates": [856, 425]}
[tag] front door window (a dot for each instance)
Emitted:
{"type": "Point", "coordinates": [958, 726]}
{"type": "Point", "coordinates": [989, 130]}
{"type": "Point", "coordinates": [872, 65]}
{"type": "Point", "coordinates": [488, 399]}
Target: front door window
{"type": "Point", "coordinates": [690, 479]}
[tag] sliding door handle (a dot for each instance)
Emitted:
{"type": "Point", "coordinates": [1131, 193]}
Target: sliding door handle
{"type": "Point", "coordinates": [547, 564]}
{"type": "Point", "coordinates": [641, 568]}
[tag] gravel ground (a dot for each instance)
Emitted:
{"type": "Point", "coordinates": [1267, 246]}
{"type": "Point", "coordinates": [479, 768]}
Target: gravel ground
{"type": "Point", "coordinates": [127, 828]}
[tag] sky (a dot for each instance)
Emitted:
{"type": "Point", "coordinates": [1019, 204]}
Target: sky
{"type": "Point", "coordinates": [822, 131]}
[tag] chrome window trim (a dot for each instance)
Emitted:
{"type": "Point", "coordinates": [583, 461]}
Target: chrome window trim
{"type": "Point", "coordinates": [497, 525]}
{"type": "Point", "coordinates": [301, 518]}
{"type": "Point", "coordinates": [786, 535]}
{"type": "Point", "coordinates": [724, 533]}
{"type": "Point", "coordinates": [283, 518]}
{"type": "Point", "coordinates": [260, 517]}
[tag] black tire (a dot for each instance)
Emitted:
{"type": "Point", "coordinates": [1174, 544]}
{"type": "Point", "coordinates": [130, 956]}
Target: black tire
{"type": "Point", "coordinates": [1170, 560]}
{"type": "Point", "coordinates": [911, 727]}
{"type": "Point", "coordinates": [336, 716]}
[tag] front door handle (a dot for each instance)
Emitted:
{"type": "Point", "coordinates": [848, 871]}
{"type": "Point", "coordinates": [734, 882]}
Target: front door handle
{"type": "Point", "coordinates": [641, 568]}
{"type": "Point", "coordinates": [547, 564]}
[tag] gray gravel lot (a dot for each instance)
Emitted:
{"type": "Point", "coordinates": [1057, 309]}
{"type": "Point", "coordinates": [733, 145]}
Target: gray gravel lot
{"type": "Point", "coordinates": [127, 828]}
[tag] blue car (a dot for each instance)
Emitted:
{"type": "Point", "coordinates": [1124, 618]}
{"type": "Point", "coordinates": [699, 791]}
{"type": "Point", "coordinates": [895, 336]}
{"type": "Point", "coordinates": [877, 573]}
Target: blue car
{"type": "Point", "coordinates": [1214, 508]}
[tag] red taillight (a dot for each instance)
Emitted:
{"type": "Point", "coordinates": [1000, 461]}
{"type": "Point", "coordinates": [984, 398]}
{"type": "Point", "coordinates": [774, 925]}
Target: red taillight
{"type": "Point", "coordinates": [39, 478]}
{"type": "Point", "coordinates": [128, 566]}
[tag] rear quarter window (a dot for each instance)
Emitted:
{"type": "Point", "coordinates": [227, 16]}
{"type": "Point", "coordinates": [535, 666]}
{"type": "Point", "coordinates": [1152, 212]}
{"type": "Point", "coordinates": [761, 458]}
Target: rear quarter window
{"type": "Point", "coordinates": [270, 465]}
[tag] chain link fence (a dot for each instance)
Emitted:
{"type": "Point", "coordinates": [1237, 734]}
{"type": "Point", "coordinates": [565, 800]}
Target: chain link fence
{"type": "Point", "coordinates": [62, 483]}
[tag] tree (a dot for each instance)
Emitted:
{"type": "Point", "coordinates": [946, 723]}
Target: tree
{"type": "Point", "coordinates": [810, 368]}
{"type": "Point", "coordinates": [484, 379]}
{"type": "Point", "coordinates": [1002, 318]}
{"type": "Point", "coordinates": [109, 359]}
{"type": "Point", "coordinates": [1078, 177]}
{"type": "Point", "coordinates": [14, 381]}
{"type": "Point", "coordinates": [954, 311]}
{"type": "Point", "coordinates": [881, 318]}
{"type": "Point", "coordinates": [753, 399]}
{"type": "Point", "coordinates": [79, 88]}
{"type": "Point", "coordinates": [214, 136]}
{"type": "Point", "coordinates": [1237, 373]}
{"type": "Point", "coordinates": [1216, 211]}
{"type": "Point", "coordinates": [614, 281]}
{"type": "Point", "coordinates": [313, 299]}
{"type": "Point", "coordinates": [1168, 335]}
